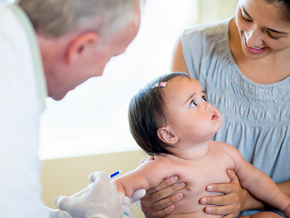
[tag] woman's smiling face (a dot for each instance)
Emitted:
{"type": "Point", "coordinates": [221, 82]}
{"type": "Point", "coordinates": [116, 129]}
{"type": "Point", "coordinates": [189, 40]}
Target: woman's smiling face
{"type": "Point", "coordinates": [262, 29]}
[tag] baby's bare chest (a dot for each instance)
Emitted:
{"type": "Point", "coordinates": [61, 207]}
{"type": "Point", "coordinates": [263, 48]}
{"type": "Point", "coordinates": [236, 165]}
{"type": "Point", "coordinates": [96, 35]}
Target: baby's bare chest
{"type": "Point", "coordinates": [197, 176]}
{"type": "Point", "coordinates": [207, 171]}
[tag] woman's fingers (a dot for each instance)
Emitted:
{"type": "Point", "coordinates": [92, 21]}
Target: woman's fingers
{"type": "Point", "coordinates": [161, 213]}
{"type": "Point", "coordinates": [219, 200]}
{"type": "Point", "coordinates": [232, 175]}
{"type": "Point", "coordinates": [226, 188]}
{"type": "Point", "coordinates": [230, 202]}
{"type": "Point", "coordinates": [226, 207]}
{"type": "Point", "coordinates": [165, 185]}
{"type": "Point", "coordinates": [160, 208]}
{"type": "Point", "coordinates": [155, 197]}
{"type": "Point", "coordinates": [222, 210]}
{"type": "Point", "coordinates": [156, 202]}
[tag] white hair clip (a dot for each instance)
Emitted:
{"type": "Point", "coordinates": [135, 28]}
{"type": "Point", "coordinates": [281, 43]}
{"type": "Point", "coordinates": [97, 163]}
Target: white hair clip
{"type": "Point", "coordinates": [161, 84]}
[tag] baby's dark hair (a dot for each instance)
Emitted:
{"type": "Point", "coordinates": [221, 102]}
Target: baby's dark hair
{"type": "Point", "coordinates": [284, 6]}
{"type": "Point", "coordinates": [147, 114]}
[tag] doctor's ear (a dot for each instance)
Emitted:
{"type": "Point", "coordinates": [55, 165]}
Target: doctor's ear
{"type": "Point", "coordinates": [81, 47]}
{"type": "Point", "coordinates": [165, 135]}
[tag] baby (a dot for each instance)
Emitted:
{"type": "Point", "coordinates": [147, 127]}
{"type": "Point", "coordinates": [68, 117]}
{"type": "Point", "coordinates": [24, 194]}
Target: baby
{"type": "Point", "coordinates": [171, 119]}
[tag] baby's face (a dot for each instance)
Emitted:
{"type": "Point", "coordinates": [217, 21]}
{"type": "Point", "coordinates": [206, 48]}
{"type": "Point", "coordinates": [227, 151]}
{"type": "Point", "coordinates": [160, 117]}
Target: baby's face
{"type": "Point", "coordinates": [188, 113]}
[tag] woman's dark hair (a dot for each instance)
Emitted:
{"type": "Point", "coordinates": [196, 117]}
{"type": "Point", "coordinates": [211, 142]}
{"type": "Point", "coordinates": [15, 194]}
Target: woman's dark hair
{"type": "Point", "coordinates": [147, 114]}
{"type": "Point", "coordinates": [284, 7]}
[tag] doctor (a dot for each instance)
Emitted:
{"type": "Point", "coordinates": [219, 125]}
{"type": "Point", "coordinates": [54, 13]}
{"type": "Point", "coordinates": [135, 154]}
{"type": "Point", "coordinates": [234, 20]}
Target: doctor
{"type": "Point", "coordinates": [47, 48]}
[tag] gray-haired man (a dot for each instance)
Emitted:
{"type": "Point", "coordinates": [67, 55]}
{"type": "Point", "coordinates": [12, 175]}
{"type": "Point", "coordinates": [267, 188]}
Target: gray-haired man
{"type": "Point", "coordinates": [47, 48]}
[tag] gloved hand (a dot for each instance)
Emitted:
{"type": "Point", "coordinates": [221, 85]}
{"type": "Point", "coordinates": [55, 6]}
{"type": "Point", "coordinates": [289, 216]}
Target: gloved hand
{"type": "Point", "coordinates": [137, 195]}
{"type": "Point", "coordinates": [127, 204]}
{"type": "Point", "coordinates": [57, 213]}
{"type": "Point", "coordinates": [101, 200]}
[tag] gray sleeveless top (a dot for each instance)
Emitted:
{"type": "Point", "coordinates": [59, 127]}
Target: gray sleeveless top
{"type": "Point", "coordinates": [256, 117]}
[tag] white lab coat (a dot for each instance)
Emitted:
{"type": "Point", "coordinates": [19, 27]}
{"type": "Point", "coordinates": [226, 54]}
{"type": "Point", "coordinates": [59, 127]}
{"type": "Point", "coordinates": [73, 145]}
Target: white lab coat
{"type": "Point", "coordinates": [22, 93]}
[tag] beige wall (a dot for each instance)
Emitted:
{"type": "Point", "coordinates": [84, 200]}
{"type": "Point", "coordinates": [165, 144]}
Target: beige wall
{"type": "Point", "coordinates": [212, 10]}
{"type": "Point", "coordinates": [70, 175]}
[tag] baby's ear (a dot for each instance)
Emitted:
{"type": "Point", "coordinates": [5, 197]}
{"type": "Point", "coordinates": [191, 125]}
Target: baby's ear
{"type": "Point", "coordinates": [167, 136]}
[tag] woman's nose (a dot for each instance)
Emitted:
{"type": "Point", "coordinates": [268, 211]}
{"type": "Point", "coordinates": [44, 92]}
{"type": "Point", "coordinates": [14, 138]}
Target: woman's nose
{"type": "Point", "coordinates": [254, 37]}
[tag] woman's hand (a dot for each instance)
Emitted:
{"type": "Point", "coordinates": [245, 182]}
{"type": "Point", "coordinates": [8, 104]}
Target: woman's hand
{"type": "Point", "coordinates": [156, 202]}
{"type": "Point", "coordinates": [231, 203]}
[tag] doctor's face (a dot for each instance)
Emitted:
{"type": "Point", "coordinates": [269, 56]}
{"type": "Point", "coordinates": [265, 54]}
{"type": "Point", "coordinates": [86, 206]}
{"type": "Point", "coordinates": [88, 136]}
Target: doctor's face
{"type": "Point", "coordinates": [263, 31]}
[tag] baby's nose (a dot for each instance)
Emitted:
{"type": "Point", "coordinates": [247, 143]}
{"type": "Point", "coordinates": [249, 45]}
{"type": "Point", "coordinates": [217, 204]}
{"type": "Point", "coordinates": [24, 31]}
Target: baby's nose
{"type": "Point", "coordinates": [208, 106]}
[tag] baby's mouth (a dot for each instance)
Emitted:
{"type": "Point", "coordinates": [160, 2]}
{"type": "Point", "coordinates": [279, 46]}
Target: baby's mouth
{"type": "Point", "coordinates": [214, 116]}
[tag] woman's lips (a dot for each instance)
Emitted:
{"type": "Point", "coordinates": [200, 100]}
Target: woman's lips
{"type": "Point", "coordinates": [254, 50]}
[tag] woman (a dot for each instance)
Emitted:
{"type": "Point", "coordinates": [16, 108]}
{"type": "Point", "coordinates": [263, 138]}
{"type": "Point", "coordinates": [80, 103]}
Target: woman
{"type": "Point", "coordinates": [243, 65]}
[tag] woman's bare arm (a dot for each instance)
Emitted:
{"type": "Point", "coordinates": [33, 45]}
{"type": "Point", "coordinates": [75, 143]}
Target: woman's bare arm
{"type": "Point", "coordinates": [178, 62]}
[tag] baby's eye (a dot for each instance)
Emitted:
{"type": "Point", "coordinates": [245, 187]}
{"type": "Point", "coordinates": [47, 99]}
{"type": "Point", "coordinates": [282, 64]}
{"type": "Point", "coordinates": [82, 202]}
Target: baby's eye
{"type": "Point", "coordinates": [192, 104]}
{"type": "Point", "coordinates": [204, 98]}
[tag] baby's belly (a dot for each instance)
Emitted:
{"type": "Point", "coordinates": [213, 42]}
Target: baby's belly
{"type": "Point", "coordinates": [197, 176]}
{"type": "Point", "coordinates": [194, 190]}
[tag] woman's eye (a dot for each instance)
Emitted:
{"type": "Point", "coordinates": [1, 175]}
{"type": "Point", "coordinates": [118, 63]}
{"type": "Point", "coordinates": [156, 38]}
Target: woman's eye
{"type": "Point", "coordinates": [192, 104]}
{"type": "Point", "coordinates": [204, 98]}
{"type": "Point", "coordinates": [245, 18]}
{"type": "Point", "coordinates": [273, 37]}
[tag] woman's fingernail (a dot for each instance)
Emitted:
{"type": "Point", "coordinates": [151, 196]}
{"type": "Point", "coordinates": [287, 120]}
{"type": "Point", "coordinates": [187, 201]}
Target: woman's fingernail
{"type": "Point", "coordinates": [180, 185]}
{"type": "Point", "coordinates": [171, 207]}
{"type": "Point", "coordinates": [208, 209]}
{"type": "Point", "coordinates": [179, 196]}
{"type": "Point", "coordinates": [203, 201]}
{"type": "Point", "coordinates": [174, 179]}
{"type": "Point", "coordinates": [209, 188]}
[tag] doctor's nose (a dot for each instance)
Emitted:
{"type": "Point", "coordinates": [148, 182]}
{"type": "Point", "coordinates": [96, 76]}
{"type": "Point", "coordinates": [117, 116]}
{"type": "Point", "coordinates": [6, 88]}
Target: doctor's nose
{"type": "Point", "coordinates": [254, 37]}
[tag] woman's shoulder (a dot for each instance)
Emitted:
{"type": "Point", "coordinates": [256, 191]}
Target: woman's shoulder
{"type": "Point", "coordinates": [204, 45]}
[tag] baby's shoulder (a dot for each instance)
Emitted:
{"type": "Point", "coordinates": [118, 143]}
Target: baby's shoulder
{"type": "Point", "coordinates": [224, 147]}
{"type": "Point", "coordinates": [156, 167]}
{"type": "Point", "coordinates": [221, 145]}
{"type": "Point", "coordinates": [158, 161]}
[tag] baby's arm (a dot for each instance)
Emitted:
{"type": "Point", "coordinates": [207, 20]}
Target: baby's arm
{"type": "Point", "coordinates": [258, 183]}
{"type": "Point", "coordinates": [146, 176]}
